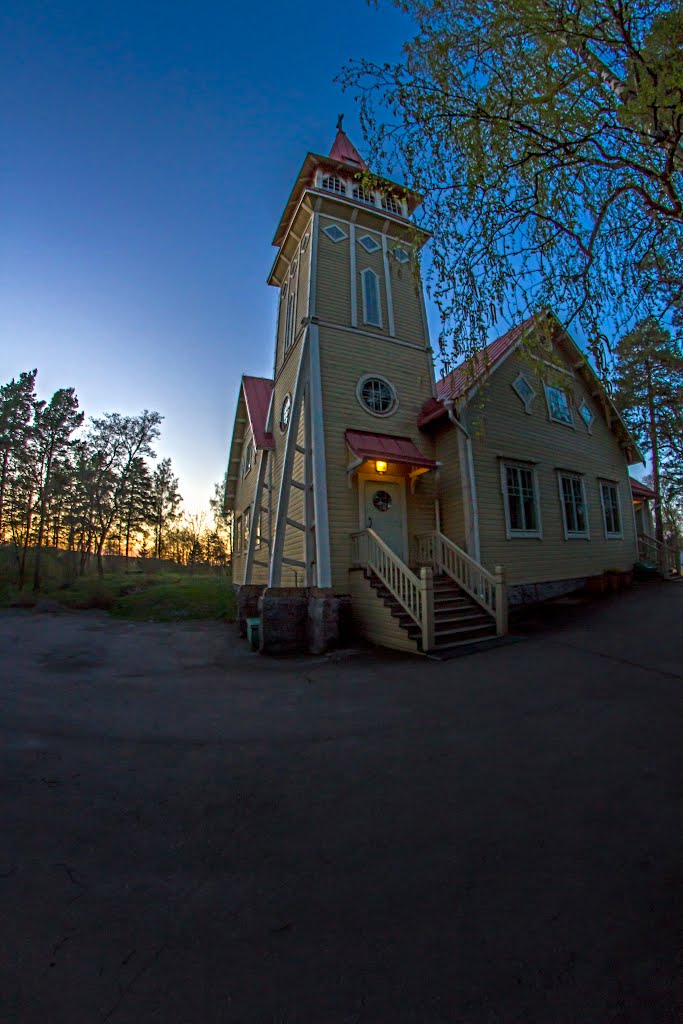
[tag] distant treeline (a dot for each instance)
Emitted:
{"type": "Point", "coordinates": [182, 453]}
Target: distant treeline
{"type": "Point", "coordinates": [92, 488]}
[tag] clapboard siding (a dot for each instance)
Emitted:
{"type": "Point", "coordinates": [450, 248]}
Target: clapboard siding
{"type": "Point", "coordinates": [450, 491]}
{"type": "Point", "coordinates": [344, 358]}
{"type": "Point", "coordinates": [333, 298]}
{"type": "Point", "coordinates": [502, 430]}
{"type": "Point", "coordinates": [405, 289]}
{"type": "Point", "coordinates": [244, 499]}
{"type": "Point", "coordinates": [371, 617]}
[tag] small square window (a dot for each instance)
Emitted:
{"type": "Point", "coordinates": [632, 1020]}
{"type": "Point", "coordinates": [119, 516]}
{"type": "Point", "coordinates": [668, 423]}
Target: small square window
{"type": "Point", "coordinates": [558, 405]}
{"type": "Point", "coordinates": [368, 243]}
{"type": "Point", "coordinates": [335, 233]}
{"type": "Point", "coordinates": [402, 256]}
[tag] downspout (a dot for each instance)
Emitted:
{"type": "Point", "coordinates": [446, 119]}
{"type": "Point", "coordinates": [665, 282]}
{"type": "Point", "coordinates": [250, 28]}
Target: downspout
{"type": "Point", "coordinates": [471, 508]}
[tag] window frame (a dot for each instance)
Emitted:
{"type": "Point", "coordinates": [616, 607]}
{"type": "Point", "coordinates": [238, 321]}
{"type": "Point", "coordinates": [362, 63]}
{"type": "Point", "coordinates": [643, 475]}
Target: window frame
{"type": "Point", "coordinates": [609, 535]}
{"type": "Point", "coordinates": [248, 458]}
{"type": "Point", "coordinates": [401, 255]}
{"type": "Point", "coordinates": [369, 198]}
{"type": "Point", "coordinates": [510, 533]}
{"type": "Point", "coordinates": [368, 237]}
{"type": "Point", "coordinates": [329, 227]}
{"type": "Point", "coordinates": [341, 191]}
{"type": "Point", "coordinates": [587, 424]}
{"type": "Point", "coordinates": [565, 474]}
{"type": "Point", "coordinates": [553, 419]}
{"type": "Point", "coordinates": [526, 402]}
{"type": "Point", "coordinates": [246, 518]}
{"type": "Point", "coordinates": [361, 401]}
{"type": "Point", "coordinates": [284, 428]}
{"type": "Point", "coordinates": [364, 275]}
{"type": "Point", "coordinates": [238, 536]}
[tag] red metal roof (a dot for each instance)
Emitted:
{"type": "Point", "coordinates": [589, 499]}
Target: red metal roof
{"type": "Point", "coordinates": [387, 447]}
{"type": "Point", "coordinates": [343, 149]}
{"type": "Point", "coordinates": [640, 490]}
{"type": "Point", "coordinates": [458, 382]}
{"type": "Point", "coordinates": [257, 392]}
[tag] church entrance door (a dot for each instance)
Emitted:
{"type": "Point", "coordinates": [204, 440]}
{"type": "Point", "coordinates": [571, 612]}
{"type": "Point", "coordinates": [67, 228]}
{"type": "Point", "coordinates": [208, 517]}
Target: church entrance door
{"type": "Point", "coordinates": [384, 509]}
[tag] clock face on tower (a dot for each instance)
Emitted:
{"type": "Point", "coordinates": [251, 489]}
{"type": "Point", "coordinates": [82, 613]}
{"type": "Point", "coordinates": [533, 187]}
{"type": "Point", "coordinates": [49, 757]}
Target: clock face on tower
{"type": "Point", "coordinates": [285, 413]}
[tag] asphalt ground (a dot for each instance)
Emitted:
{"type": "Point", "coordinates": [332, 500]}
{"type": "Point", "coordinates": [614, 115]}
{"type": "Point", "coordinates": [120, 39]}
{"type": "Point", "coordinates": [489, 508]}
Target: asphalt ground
{"type": "Point", "coordinates": [193, 833]}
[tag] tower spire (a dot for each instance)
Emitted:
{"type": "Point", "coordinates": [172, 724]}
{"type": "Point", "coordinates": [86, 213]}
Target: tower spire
{"type": "Point", "coordinates": [344, 150]}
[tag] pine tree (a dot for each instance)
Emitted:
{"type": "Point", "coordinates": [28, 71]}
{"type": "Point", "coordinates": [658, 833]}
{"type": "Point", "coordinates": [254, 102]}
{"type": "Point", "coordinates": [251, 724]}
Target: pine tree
{"type": "Point", "coordinates": [649, 394]}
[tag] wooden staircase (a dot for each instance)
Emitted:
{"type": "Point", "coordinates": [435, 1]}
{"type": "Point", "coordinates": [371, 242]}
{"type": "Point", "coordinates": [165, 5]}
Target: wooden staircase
{"type": "Point", "coordinates": [458, 619]}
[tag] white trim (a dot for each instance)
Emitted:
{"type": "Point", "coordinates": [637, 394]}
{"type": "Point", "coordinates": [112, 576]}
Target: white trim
{"type": "Point", "coordinates": [387, 286]}
{"type": "Point", "coordinates": [329, 228]}
{"type": "Point", "coordinates": [313, 272]}
{"type": "Point", "coordinates": [377, 478]}
{"type": "Point", "coordinates": [588, 425]}
{"type": "Point", "coordinates": [354, 283]}
{"type": "Point", "coordinates": [511, 534]}
{"type": "Point", "coordinates": [467, 476]}
{"type": "Point", "coordinates": [363, 273]}
{"type": "Point", "coordinates": [322, 526]}
{"type": "Point", "coordinates": [367, 235]}
{"type": "Point", "coordinates": [611, 483]}
{"type": "Point", "coordinates": [309, 507]}
{"type": "Point", "coordinates": [255, 518]}
{"type": "Point", "coordinates": [278, 547]}
{"type": "Point", "coordinates": [359, 395]}
{"type": "Point", "coordinates": [526, 402]}
{"type": "Point", "coordinates": [373, 334]}
{"type": "Point", "coordinates": [553, 419]}
{"type": "Point", "coordinates": [573, 534]}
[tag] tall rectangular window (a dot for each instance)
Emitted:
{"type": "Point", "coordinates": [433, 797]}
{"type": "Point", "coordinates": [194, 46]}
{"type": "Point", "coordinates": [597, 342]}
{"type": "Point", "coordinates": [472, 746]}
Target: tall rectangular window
{"type": "Point", "coordinates": [238, 536]}
{"type": "Point", "coordinates": [372, 312]}
{"type": "Point", "coordinates": [521, 501]}
{"type": "Point", "coordinates": [247, 521]}
{"type": "Point", "coordinates": [574, 511]}
{"type": "Point", "coordinates": [611, 509]}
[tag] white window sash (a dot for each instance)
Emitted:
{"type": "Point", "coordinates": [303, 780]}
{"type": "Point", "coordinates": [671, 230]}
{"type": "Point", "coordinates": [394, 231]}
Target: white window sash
{"type": "Point", "coordinates": [574, 534]}
{"type": "Point", "coordinates": [554, 419]}
{"type": "Point", "coordinates": [366, 276]}
{"type": "Point", "coordinates": [609, 534]}
{"type": "Point", "coordinates": [513, 534]}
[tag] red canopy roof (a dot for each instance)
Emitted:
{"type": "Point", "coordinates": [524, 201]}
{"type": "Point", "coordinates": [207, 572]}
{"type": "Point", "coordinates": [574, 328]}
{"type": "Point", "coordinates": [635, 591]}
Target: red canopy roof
{"type": "Point", "coordinates": [384, 446]}
{"type": "Point", "coordinates": [257, 392]}
{"type": "Point", "coordinates": [641, 490]}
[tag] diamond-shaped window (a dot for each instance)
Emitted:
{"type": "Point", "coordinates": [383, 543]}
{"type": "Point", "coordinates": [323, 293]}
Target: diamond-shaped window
{"type": "Point", "coordinates": [335, 233]}
{"type": "Point", "coordinates": [368, 243]}
{"type": "Point", "coordinates": [401, 255]}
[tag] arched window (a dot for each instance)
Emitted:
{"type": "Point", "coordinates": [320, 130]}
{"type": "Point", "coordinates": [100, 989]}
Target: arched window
{"type": "Point", "coordinates": [362, 196]}
{"type": "Point", "coordinates": [372, 309]}
{"type": "Point", "coordinates": [391, 204]}
{"type": "Point", "coordinates": [333, 184]}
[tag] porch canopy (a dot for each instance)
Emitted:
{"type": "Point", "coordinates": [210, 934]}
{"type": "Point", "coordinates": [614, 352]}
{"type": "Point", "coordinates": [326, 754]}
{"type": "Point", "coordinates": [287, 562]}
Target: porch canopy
{"type": "Point", "coordinates": [387, 448]}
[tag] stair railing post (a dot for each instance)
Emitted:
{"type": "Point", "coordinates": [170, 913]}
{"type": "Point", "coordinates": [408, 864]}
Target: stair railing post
{"type": "Point", "coordinates": [501, 601]}
{"type": "Point", "coordinates": [427, 602]}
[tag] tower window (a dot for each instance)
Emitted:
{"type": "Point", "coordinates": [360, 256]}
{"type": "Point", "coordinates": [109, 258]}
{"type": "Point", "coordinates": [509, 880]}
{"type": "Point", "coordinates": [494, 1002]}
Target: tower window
{"type": "Point", "coordinates": [362, 195]}
{"type": "Point", "coordinates": [402, 256]}
{"type": "Point", "coordinates": [289, 323]}
{"type": "Point", "coordinates": [331, 183]}
{"type": "Point", "coordinates": [376, 395]}
{"type": "Point", "coordinates": [335, 233]}
{"type": "Point", "coordinates": [372, 312]}
{"type": "Point", "coordinates": [391, 204]}
{"type": "Point", "coordinates": [368, 243]}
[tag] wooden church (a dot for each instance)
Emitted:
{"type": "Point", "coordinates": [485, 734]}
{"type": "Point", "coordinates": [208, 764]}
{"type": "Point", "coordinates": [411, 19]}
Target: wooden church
{"type": "Point", "coordinates": [369, 496]}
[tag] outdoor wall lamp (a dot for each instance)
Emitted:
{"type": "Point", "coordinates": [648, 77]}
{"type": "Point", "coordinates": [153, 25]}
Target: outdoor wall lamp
{"type": "Point", "coordinates": [380, 466]}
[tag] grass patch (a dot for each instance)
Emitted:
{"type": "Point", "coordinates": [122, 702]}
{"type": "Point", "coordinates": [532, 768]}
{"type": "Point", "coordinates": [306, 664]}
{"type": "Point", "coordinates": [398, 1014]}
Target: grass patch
{"type": "Point", "coordinates": [157, 597]}
{"type": "Point", "coordinates": [198, 597]}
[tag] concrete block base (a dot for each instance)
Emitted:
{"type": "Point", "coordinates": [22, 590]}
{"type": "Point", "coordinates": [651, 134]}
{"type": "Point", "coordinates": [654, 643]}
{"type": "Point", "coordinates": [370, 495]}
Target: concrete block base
{"type": "Point", "coordinates": [532, 593]}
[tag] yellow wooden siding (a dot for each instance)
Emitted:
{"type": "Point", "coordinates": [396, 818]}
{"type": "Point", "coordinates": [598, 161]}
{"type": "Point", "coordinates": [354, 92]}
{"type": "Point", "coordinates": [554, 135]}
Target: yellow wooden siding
{"type": "Point", "coordinates": [244, 498]}
{"type": "Point", "coordinates": [450, 491]}
{"type": "Point", "coordinates": [371, 617]}
{"type": "Point", "coordinates": [501, 430]}
{"type": "Point", "coordinates": [344, 358]}
{"type": "Point", "coordinates": [405, 290]}
{"type": "Point", "coordinates": [304, 275]}
{"type": "Point", "coordinates": [333, 281]}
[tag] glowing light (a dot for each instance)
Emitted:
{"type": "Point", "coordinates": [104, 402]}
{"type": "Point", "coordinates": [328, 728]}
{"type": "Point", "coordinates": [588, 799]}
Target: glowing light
{"type": "Point", "coordinates": [380, 466]}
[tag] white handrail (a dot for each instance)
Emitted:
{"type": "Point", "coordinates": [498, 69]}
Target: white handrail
{"type": "Point", "coordinates": [649, 548]}
{"type": "Point", "coordinates": [413, 593]}
{"type": "Point", "coordinates": [486, 588]}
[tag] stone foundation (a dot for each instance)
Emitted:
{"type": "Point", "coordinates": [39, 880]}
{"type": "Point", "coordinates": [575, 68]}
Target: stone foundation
{"type": "Point", "coordinates": [296, 620]}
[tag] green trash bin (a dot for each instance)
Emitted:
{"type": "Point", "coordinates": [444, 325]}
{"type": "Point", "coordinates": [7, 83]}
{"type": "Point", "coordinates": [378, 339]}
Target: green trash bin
{"type": "Point", "coordinates": [253, 633]}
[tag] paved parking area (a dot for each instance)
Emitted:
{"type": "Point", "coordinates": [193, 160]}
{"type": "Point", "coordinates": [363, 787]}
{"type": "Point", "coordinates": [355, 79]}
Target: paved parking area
{"type": "Point", "coordinates": [192, 833]}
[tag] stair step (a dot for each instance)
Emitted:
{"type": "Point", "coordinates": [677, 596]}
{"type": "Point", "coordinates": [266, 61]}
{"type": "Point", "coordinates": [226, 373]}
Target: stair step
{"type": "Point", "coordinates": [461, 632]}
{"type": "Point", "coordinates": [460, 643]}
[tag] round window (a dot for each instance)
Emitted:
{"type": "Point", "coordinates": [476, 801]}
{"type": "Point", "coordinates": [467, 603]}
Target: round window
{"type": "Point", "coordinates": [377, 395]}
{"type": "Point", "coordinates": [285, 413]}
{"type": "Point", "coordinates": [382, 501]}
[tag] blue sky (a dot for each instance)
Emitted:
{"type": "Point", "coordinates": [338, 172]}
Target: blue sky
{"type": "Point", "coordinates": [148, 152]}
